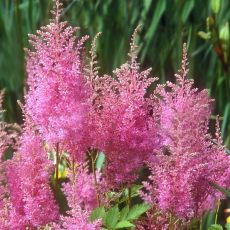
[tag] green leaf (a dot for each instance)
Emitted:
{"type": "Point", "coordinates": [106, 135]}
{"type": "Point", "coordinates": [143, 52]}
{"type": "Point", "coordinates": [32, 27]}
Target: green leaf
{"type": "Point", "coordinates": [226, 119]}
{"type": "Point", "coordinates": [124, 213]}
{"type": "Point", "coordinates": [124, 224]}
{"type": "Point", "coordinates": [134, 192]}
{"type": "Point", "coordinates": [146, 7]}
{"type": "Point", "coordinates": [112, 217]}
{"type": "Point", "coordinates": [137, 210]}
{"type": "Point", "coordinates": [215, 5]}
{"type": "Point", "coordinates": [215, 227]}
{"type": "Point", "coordinates": [159, 10]}
{"type": "Point", "coordinates": [188, 6]}
{"type": "Point", "coordinates": [135, 188]}
{"type": "Point", "coordinates": [98, 213]}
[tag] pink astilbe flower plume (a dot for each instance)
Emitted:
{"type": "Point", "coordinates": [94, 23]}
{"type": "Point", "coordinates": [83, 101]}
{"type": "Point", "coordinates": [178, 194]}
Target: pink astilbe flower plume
{"type": "Point", "coordinates": [57, 98]}
{"type": "Point", "coordinates": [8, 137]}
{"type": "Point", "coordinates": [31, 200]}
{"type": "Point", "coordinates": [4, 203]}
{"type": "Point", "coordinates": [154, 220]}
{"type": "Point", "coordinates": [181, 182]}
{"type": "Point", "coordinates": [81, 188]}
{"type": "Point", "coordinates": [125, 129]}
{"type": "Point", "coordinates": [77, 219]}
{"type": "Point", "coordinates": [17, 218]}
{"type": "Point", "coordinates": [35, 170]}
{"type": "Point", "coordinates": [81, 196]}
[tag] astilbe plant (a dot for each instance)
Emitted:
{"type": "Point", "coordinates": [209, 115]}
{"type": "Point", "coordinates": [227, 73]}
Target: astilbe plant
{"type": "Point", "coordinates": [81, 195]}
{"type": "Point", "coordinates": [81, 189]}
{"type": "Point", "coordinates": [3, 198]}
{"type": "Point", "coordinates": [76, 114]}
{"type": "Point", "coordinates": [190, 161]}
{"type": "Point", "coordinates": [153, 222]}
{"type": "Point", "coordinates": [31, 201]}
{"type": "Point", "coordinates": [125, 128]}
{"type": "Point", "coordinates": [16, 217]}
{"type": "Point", "coordinates": [57, 99]}
{"type": "Point", "coordinates": [8, 136]}
{"type": "Point", "coordinates": [77, 219]}
{"type": "Point", "coordinates": [35, 170]}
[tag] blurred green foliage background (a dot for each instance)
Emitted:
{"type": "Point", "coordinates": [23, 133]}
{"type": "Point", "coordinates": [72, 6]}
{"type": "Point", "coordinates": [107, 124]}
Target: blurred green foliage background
{"type": "Point", "coordinates": [166, 24]}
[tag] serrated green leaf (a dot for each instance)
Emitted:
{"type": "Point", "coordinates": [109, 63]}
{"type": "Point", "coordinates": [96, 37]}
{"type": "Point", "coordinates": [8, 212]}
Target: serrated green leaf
{"type": "Point", "coordinates": [215, 227]}
{"type": "Point", "coordinates": [124, 224]}
{"type": "Point", "coordinates": [98, 213]}
{"type": "Point", "coordinates": [135, 188]}
{"type": "Point", "coordinates": [112, 217]}
{"type": "Point", "coordinates": [137, 210]}
{"type": "Point", "coordinates": [124, 213]}
{"type": "Point", "coordinates": [134, 193]}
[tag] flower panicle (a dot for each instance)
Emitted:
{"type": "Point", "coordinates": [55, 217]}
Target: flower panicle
{"type": "Point", "coordinates": [183, 72]}
{"type": "Point", "coordinates": [57, 11]}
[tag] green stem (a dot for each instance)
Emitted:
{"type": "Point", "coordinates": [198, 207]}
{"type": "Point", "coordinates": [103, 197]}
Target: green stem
{"type": "Point", "coordinates": [217, 211]}
{"type": "Point", "coordinates": [57, 169]}
{"type": "Point", "coordinates": [170, 221]}
{"type": "Point", "coordinates": [201, 223]}
{"type": "Point", "coordinates": [129, 196]}
{"type": "Point", "coordinates": [95, 178]}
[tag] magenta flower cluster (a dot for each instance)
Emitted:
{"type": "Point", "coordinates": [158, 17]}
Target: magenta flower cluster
{"type": "Point", "coordinates": [72, 114]}
{"type": "Point", "coordinates": [190, 161]}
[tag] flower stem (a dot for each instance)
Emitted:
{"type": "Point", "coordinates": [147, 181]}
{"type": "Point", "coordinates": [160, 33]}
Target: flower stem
{"type": "Point", "coordinates": [170, 221]}
{"type": "Point", "coordinates": [129, 196]}
{"type": "Point", "coordinates": [57, 169]}
{"type": "Point", "coordinates": [217, 211]}
{"type": "Point", "coordinates": [201, 223]}
{"type": "Point", "coordinates": [93, 161]}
